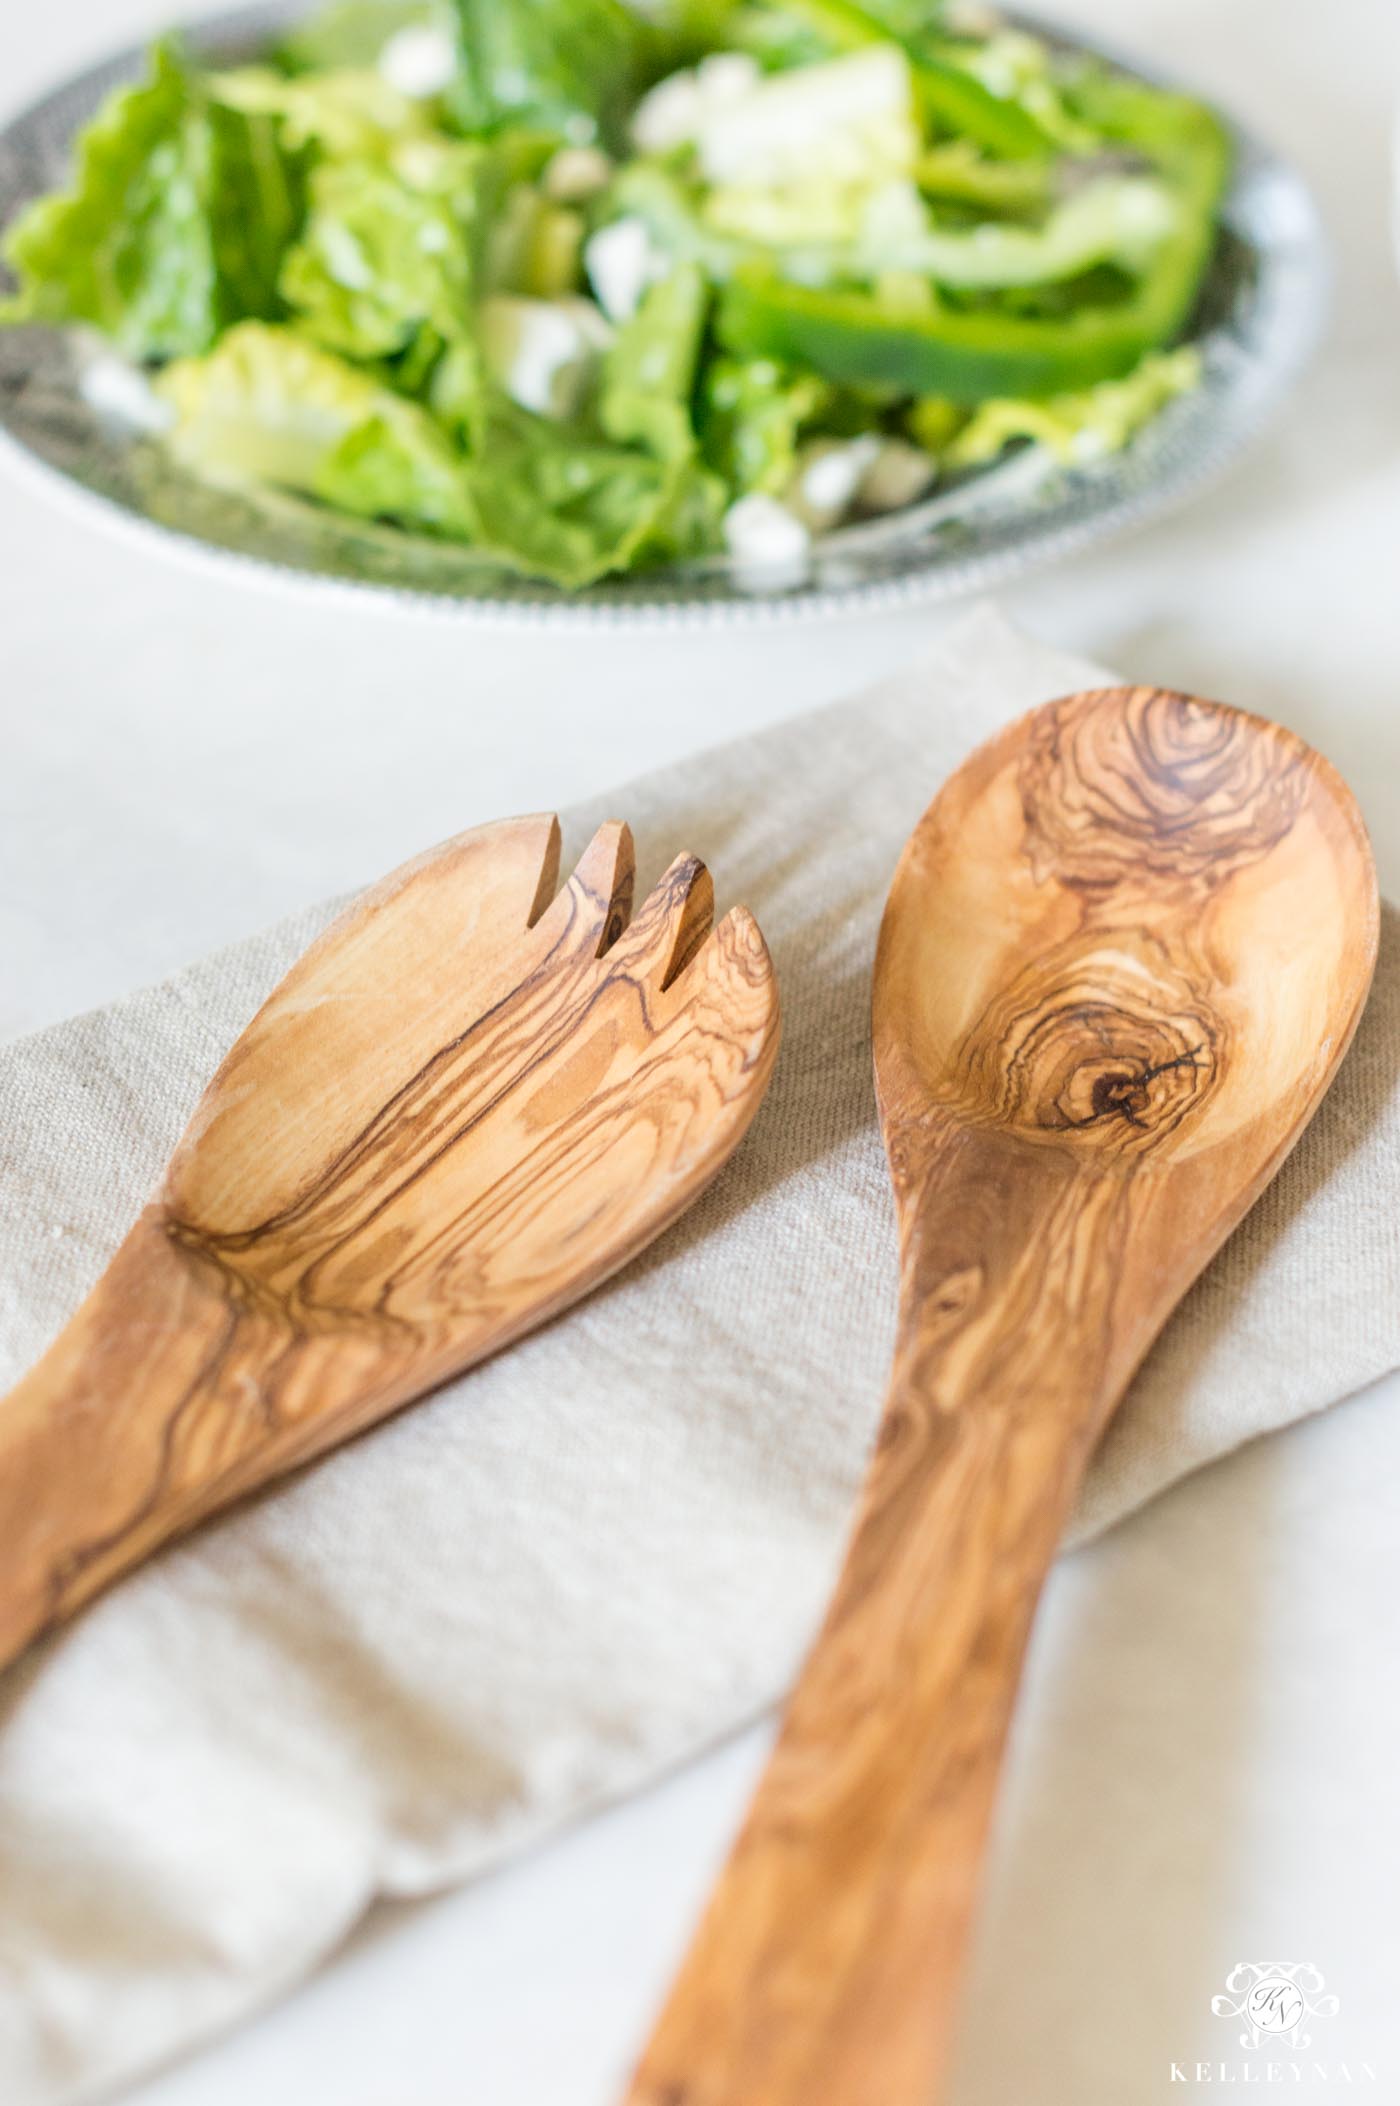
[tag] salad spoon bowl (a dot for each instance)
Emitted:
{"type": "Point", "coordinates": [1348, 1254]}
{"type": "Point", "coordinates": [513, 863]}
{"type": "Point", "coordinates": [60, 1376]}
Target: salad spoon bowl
{"type": "Point", "coordinates": [1123, 954]}
{"type": "Point", "coordinates": [471, 1100]}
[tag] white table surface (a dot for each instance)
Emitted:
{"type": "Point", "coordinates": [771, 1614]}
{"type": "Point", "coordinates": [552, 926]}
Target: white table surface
{"type": "Point", "coordinates": [1209, 1732]}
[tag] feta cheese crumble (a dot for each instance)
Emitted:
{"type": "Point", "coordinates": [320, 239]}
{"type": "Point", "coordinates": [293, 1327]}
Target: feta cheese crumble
{"type": "Point", "coordinates": [543, 352]}
{"type": "Point", "coordinates": [122, 395]}
{"type": "Point", "coordinates": [829, 477]}
{"type": "Point", "coordinates": [621, 263]}
{"type": "Point", "coordinates": [770, 546]}
{"type": "Point", "coordinates": [419, 61]}
{"type": "Point", "coordinates": [839, 118]}
{"type": "Point", "coordinates": [676, 111]}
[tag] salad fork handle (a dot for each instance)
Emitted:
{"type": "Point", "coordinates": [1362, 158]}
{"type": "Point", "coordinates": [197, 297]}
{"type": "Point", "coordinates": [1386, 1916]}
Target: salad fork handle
{"type": "Point", "coordinates": [157, 1403]}
{"type": "Point", "coordinates": [85, 1437]}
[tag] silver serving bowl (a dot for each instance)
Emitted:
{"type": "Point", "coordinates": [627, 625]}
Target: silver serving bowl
{"type": "Point", "coordinates": [1259, 317]}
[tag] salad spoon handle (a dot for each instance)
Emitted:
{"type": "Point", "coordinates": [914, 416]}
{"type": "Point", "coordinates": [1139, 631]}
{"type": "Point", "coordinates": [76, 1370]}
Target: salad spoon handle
{"type": "Point", "coordinates": [827, 1968]}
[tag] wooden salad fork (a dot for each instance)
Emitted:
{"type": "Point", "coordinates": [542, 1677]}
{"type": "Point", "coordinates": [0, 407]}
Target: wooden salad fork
{"type": "Point", "coordinates": [471, 1100]}
{"type": "Point", "coordinates": [1124, 952]}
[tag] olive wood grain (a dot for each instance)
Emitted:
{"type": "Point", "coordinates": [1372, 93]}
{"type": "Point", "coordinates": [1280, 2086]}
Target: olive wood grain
{"type": "Point", "coordinates": [470, 1101]}
{"type": "Point", "coordinates": [1123, 954]}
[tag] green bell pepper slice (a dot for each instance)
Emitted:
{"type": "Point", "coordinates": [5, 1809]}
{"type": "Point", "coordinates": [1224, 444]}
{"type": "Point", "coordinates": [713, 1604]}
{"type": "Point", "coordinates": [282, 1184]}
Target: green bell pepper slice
{"type": "Point", "coordinates": [855, 338]}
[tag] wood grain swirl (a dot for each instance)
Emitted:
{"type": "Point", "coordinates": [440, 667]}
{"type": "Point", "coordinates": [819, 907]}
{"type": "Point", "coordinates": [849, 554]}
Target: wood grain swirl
{"type": "Point", "coordinates": [475, 1097]}
{"type": "Point", "coordinates": [1122, 956]}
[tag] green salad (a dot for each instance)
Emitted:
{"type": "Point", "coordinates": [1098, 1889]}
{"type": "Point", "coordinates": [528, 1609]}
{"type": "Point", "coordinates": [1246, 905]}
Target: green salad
{"type": "Point", "coordinates": [589, 288]}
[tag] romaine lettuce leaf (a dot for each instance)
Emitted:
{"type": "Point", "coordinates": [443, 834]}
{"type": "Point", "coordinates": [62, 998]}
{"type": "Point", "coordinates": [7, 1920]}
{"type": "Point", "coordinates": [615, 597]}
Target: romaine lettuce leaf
{"type": "Point", "coordinates": [558, 506]}
{"type": "Point", "coordinates": [1080, 427]}
{"type": "Point", "coordinates": [388, 250]}
{"type": "Point", "coordinates": [127, 248]}
{"type": "Point", "coordinates": [354, 111]}
{"type": "Point", "coordinates": [555, 506]}
{"type": "Point", "coordinates": [255, 200]}
{"type": "Point", "coordinates": [461, 394]}
{"type": "Point", "coordinates": [568, 66]}
{"type": "Point", "coordinates": [647, 396]}
{"type": "Point", "coordinates": [650, 366]}
{"type": "Point", "coordinates": [557, 502]}
{"type": "Point", "coordinates": [753, 412]}
{"type": "Point", "coordinates": [269, 407]}
{"type": "Point", "coordinates": [400, 467]}
{"type": "Point", "coordinates": [174, 226]}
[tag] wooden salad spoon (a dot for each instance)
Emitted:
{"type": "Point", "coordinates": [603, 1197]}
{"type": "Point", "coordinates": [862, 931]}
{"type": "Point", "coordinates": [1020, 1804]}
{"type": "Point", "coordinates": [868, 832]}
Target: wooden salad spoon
{"type": "Point", "coordinates": [471, 1100]}
{"type": "Point", "coordinates": [1124, 952]}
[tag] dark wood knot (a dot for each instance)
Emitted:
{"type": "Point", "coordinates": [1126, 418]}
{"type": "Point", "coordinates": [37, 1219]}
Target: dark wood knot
{"type": "Point", "coordinates": [1103, 1043]}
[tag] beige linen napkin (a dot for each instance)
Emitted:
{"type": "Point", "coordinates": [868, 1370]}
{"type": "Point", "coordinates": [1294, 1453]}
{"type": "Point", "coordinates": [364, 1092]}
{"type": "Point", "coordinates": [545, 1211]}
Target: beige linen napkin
{"type": "Point", "coordinates": [594, 1555]}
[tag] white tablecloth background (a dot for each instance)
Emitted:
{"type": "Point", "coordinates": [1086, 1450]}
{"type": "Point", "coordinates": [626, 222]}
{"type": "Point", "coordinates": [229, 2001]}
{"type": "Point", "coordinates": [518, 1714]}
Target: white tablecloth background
{"type": "Point", "coordinates": [1214, 1702]}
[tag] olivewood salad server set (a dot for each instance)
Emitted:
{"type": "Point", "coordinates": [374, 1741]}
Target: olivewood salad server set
{"type": "Point", "coordinates": [1123, 954]}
